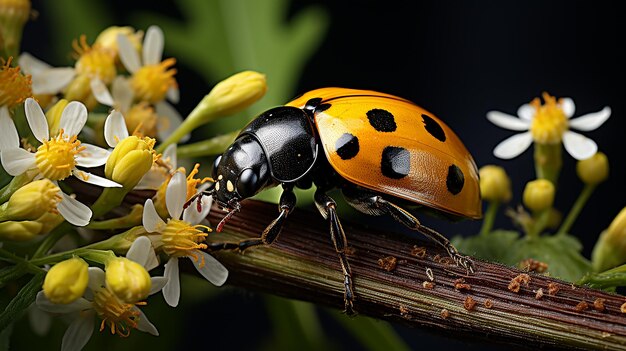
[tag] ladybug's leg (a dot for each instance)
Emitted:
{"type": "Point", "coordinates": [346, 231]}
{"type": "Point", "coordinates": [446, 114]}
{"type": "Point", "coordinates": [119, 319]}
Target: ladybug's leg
{"type": "Point", "coordinates": [375, 205]}
{"type": "Point", "coordinates": [286, 205]}
{"type": "Point", "coordinates": [327, 207]}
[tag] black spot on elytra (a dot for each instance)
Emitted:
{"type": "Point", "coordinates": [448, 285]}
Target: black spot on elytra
{"type": "Point", "coordinates": [433, 128]}
{"type": "Point", "coordinates": [347, 146]}
{"type": "Point", "coordinates": [312, 104]}
{"type": "Point", "coordinates": [381, 120]}
{"type": "Point", "coordinates": [322, 108]}
{"type": "Point", "coordinates": [395, 162]}
{"type": "Point", "coordinates": [455, 179]}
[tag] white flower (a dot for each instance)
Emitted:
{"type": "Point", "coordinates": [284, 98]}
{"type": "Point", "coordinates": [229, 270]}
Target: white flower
{"type": "Point", "coordinates": [46, 79]}
{"type": "Point", "coordinates": [152, 79]}
{"type": "Point", "coordinates": [181, 238]}
{"type": "Point", "coordinates": [116, 315]}
{"type": "Point", "coordinates": [548, 124]}
{"type": "Point", "coordinates": [58, 156]}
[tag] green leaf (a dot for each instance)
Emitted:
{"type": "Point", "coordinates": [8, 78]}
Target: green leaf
{"type": "Point", "coordinates": [24, 298]}
{"type": "Point", "coordinates": [494, 246]}
{"type": "Point", "coordinates": [607, 280]}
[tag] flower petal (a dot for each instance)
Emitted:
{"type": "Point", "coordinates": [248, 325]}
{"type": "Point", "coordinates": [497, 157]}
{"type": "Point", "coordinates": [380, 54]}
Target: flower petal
{"type": "Point", "coordinates": [74, 211]}
{"type": "Point", "coordinates": [36, 119]}
{"type": "Point", "coordinates": [94, 179]}
{"type": "Point", "coordinates": [144, 325]}
{"type": "Point", "coordinates": [44, 304]}
{"type": "Point", "coordinates": [115, 128]}
{"type": "Point", "coordinates": [169, 120]}
{"type": "Point", "coordinates": [169, 156]}
{"type": "Point", "coordinates": [176, 195]}
{"type": "Point", "coordinates": [526, 112]}
{"type": "Point", "coordinates": [591, 121]}
{"type": "Point", "coordinates": [73, 118]}
{"type": "Point", "coordinates": [151, 220]}
{"type": "Point", "coordinates": [191, 214]}
{"type": "Point", "coordinates": [153, 179]}
{"type": "Point", "coordinates": [212, 270]}
{"type": "Point", "coordinates": [78, 333]}
{"type": "Point", "coordinates": [92, 156]}
{"type": "Point", "coordinates": [39, 320]}
{"type": "Point", "coordinates": [96, 278]}
{"type": "Point", "coordinates": [141, 251]}
{"type": "Point", "coordinates": [507, 121]}
{"type": "Point", "coordinates": [53, 80]}
{"type": "Point", "coordinates": [9, 139]}
{"type": "Point", "coordinates": [568, 106]}
{"type": "Point", "coordinates": [101, 92]}
{"type": "Point", "coordinates": [30, 64]}
{"type": "Point", "coordinates": [173, 94]}
{"type": "Point", "coordinates": [513, 146]}
{"type": "Point", "coordinates": [153, 46]}
{"type": "Point", "coordinates": [128, 54]}
{"type": "Point", "coordinates": [122, 93]}
{"type": "Point", "coordinates": [17, 161]}
{"type": "Point", "coordinates": [578, 145]}
{"type": "Point", "coordinates": [171, 290]}
{"type": "Point", "coordinates": [157, 284]}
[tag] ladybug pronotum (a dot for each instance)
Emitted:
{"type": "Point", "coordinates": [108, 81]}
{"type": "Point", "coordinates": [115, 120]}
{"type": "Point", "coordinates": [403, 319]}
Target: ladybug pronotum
{"type": "Point", "coordinates": [384, 153]}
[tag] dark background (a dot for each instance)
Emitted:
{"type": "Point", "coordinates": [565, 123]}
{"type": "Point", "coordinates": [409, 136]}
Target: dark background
{"type": "Point", "coordinates": [457, 59]}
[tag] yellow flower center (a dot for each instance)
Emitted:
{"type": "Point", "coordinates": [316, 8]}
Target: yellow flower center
{"type": "Point", "coordinates": [142, 120]}
{"type": "Point", "coordinates": [179, 239]}
{"type": "Point", "coordinates": [14, 86]}
{"type": "Point", "coordinates": [549, 122]}
{"type": "Point", "coordinates": [192, 183]}
{"type": "Point", "coordinates": [119, 316]}
{"type": "Point", "coordinates": [94, 62]}
{"type": "Point", "coordinates": [151, 82]}
{"type": "Point", "coordinates": [55, 158]}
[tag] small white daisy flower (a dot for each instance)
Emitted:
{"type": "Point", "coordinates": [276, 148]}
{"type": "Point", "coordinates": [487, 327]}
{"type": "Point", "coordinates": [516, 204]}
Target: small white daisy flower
{"type": "Point", "coordinates": [181, 237]}
{"type": "Point", "coordinates": [99, 301]}
{"type": "Point", "coordinates": [549, 123]}
{"type": "Point", "coordinates": [58, 156]}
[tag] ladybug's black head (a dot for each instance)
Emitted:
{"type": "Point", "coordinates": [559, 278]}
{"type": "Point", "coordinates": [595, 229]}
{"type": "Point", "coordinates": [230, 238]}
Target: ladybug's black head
{"type": "Point", "coordinates": [239, 173]}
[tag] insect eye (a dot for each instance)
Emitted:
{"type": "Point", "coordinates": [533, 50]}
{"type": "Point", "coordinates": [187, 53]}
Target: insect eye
{"type": "Point", "coordinates": [247, 183]}
{"type": "Point", "coordinates": [215, 164]}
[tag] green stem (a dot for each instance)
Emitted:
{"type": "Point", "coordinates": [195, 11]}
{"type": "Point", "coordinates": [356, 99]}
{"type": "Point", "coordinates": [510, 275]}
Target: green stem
{"type": "Point", "coordinates": [108, 199]}
{"type": "Point", "coordinates": [490, 217]}
{"type": "Point", "coordinates": [16, 183]}
{"type": "Point", "coordinates": [541, 220]}
{"type": "Point", "coordinates": [16, 259]}
{"type": "Point", "coordinates": [575, 211]}
{"type": "Point", "coordinates": [51, 239]}
{"type": "Point", "coordinates": [183, 129]}
{"type": "Point", "coordinates": [209, 147]}
{"type": "Point", "coordinates": [548, 161]}
{"type": "Point", "coordinates": [98, 256]}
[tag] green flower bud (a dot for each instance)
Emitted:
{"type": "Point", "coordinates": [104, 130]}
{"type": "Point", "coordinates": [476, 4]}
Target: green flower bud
{"type": "Point", "coordinates": [130, 160]}
{"type": "Point", "coordinates": [539, 195]}
{"type": "Point", "coordinates": [593, 170]}
{"type": "Point", "coordinates": [13, 16]}
{"type": "Point", "coordinates": [66, 281]}
{"type": "Point", "coordinates": [610, 250]}
{"type": "Point", "coordinates": [127, 279]}
{"type": "Point", "coordinates": [495, 184]}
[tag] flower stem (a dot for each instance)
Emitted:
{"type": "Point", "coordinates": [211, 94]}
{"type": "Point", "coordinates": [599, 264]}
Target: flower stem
{"type": "Point", "coordinates": [541, 220]}
{"type": "Point", "coordinates": [51, 239]}
{"type": "Point", "coordinates": [188, 125]}
{"type": "Point", "coordinates": [99, 256]}
{"type": "Point", "coordinates": [213, 146]}
{"type": "Point", "coordinates": [12, 257]}
{"type": "Point", "coordinates": [575, 211]}
{"type": "Point", "coordinates": [548, 161]}
{"type": "Point", "coordinates": [490, 216]}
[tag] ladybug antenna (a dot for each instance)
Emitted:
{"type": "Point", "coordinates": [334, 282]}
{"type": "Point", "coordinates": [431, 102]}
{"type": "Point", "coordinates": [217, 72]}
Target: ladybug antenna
{"type": "Point", "coordinates": [236, 207]}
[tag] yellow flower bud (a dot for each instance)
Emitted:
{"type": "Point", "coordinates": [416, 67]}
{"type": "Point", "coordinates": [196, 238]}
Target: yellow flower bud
{"type": "Point", "coordinates": [610, 250]}
{"type": "Point", "coordinates": [19, 231]}
{"type": "Point", "coordinates": [593, 170]}
{"type": "Point", "coordinates": [539, 195]}
{"type": "Point", "coordinates": [495, 185]}
{"type": "Point", "coordinates": [66, 281]}
{"type": "Point", "coordinates": [127, 279]}
{"type": "Point", "coordinates": [230, 96]}
{"type": "Point", "coordinates": [31, 201]}
{"type": "Point", "coordinates": [107, 39]}
{"type": "Point", "coordinates": [130, 160]}
{"type": "Point", "coordinates": [53, 115]}
{"type": "Point", "coordinates": [79, 89]}
{"type": "Point", "coordinates": [13, 16]}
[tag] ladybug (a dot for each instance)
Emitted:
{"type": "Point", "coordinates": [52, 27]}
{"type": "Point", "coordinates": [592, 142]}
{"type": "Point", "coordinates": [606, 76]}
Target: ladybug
{"type": "Point", "coordinates": [386, 155]}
